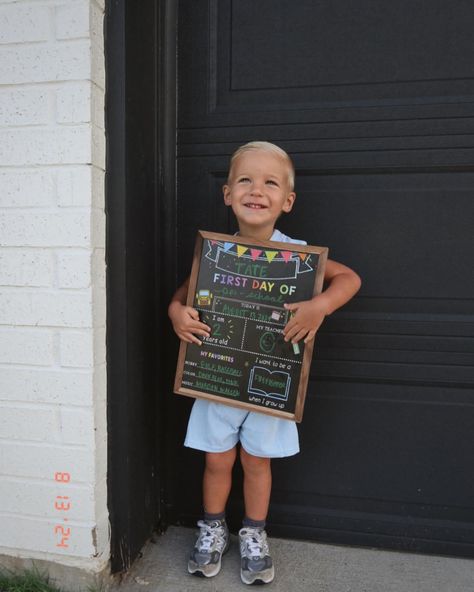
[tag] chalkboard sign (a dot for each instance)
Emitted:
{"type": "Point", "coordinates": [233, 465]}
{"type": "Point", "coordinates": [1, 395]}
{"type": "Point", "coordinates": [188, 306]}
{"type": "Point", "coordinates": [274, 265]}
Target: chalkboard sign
{"type": "Point", "coordinates": [239, 287]}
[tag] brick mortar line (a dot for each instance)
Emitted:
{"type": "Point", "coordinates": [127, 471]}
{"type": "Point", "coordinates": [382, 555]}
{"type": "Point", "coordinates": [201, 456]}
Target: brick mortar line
{"type": "Point", "coordinates": [47, 519]}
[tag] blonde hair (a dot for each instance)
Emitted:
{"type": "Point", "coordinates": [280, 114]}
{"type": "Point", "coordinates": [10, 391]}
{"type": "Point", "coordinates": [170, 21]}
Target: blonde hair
{"type": "Point", "coordinates": [266, 147]}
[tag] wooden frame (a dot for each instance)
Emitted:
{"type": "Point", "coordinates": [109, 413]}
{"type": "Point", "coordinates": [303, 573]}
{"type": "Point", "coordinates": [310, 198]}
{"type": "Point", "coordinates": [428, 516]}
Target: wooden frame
{"type": "Point", "coordinates": [239, 286]}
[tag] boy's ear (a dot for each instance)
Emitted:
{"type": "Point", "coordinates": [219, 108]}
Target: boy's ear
{"type": "Point", "coordinates": [290, 200]}
{"type": "Point", "coordinates": [226, 192]}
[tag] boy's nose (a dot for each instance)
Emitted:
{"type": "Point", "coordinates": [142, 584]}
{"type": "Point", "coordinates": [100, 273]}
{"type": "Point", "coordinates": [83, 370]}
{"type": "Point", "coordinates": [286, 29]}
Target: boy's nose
{"type": "Point", "coordinates": [257, 189]}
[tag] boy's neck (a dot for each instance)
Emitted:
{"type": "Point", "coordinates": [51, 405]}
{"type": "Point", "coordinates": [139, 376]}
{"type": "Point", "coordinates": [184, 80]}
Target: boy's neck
{"type": "Point", "coordinates": [257, 233]}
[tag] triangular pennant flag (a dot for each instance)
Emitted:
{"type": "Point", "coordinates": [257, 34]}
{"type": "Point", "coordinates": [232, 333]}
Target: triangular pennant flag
{"type": "Point", "coordinates": [254, 253]}
{"type": "Point", "coordinates": [213, 242]}
{"type": "Point", "coordinates": [302, 256]}
{"type": "Point", "coordinates": [228, 246]}
{"type": "Point", "coordinates": [286, 255]}
{"type": "Point", "coordinates": [271, 255]}
{"type": "Point", "coordinates": [241, 250]}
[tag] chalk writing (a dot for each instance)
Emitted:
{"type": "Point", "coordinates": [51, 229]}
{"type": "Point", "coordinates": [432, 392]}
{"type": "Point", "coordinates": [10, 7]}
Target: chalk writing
{"type": "Point", "coordinates": [239, 289]}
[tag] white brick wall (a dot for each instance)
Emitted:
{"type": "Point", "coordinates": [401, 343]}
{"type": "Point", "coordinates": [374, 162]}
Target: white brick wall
{"type": "Point", "coordinates": [20, 24]}
{"type": "Point", "coordinates": [52, 282]}
{"type": "Point", "coordinates": [27, 188]}
{"type": "Point", "coordinates": [36, 384]}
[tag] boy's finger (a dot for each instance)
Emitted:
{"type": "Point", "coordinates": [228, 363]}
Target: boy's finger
{"type": "Point", "coordinates": [190, 338]}
{"type": "Point", "coordinates": [197, 326]}
{"type": "Point", "coordinates": [201, 332]}
{"type": "Point", "coordinates": [291, 332]}
{"type": "Point", "coordinates": [310, 336]}
{"type": "Point", "coordinates": [299, 335]}
{"type": "Point", "coordinates": [289, 326]}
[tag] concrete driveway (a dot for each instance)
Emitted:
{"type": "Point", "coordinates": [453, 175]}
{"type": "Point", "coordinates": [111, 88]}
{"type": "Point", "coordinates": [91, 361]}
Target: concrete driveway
{"type": "Point", "coordinates": [300, 567]}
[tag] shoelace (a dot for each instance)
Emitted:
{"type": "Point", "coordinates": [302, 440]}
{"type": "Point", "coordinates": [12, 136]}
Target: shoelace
{"type": "Point", "coordinates": [207, 536]}
{"type": "Point", "coordinates": [255, 544]}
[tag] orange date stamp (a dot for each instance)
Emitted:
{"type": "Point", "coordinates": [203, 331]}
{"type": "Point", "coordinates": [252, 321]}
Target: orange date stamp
{"type": "Point", "coordinates": [62, 504]}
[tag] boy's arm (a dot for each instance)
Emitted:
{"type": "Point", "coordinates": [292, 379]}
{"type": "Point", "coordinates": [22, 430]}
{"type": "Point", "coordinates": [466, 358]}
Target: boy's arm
{"type": "Point", "coordinates": [185, 319]}
{"type": "Point", "coordinates": [308, 315]}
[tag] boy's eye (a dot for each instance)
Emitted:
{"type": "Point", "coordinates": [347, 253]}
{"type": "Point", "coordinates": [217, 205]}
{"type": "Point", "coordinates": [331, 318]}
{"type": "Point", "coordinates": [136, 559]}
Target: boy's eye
{"type": "Point", "coordinates": [244, 180]}
{"type": "Point", "coordinates": [272, 182]}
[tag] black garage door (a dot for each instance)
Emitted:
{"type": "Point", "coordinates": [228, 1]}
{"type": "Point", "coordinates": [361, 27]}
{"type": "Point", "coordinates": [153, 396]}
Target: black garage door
{"type": "Point", "coordinates": [374, 101]}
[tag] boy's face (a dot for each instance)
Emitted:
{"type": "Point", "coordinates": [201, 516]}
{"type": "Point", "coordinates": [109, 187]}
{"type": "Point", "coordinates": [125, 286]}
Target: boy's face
{"type": "Point", "coordinates": [258, 191]}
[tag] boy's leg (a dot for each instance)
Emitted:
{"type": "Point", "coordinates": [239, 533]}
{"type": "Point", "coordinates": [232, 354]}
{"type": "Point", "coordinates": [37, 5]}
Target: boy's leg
{"type": "Point", "coordinates": [217, 480]}
{"type": "Point", "coordinates": [257, 485]}
{"type": "Point", "coordinates": [256, 563]}
{"type": "Point", "coordinates": [213, 540]}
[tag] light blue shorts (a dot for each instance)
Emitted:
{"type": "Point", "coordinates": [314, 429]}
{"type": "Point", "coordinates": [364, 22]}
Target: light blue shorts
{"type": "Point", "coordinates": [214, 427]}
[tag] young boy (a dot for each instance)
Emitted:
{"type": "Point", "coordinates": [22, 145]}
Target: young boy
{"type": "Point", "coordinates": [259, 189]}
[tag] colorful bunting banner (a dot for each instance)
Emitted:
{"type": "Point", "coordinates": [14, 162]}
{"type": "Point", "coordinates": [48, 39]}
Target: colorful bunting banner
{"type": "Point", "coordinates": [285, 264]}
{"type": "Point", "coordinates": [255, 253]}
{"type": "Point", "coordinates": [270, 255]}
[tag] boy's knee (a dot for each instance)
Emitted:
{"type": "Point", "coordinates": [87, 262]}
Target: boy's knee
{"type": "Point", "coordinates": [251, 463]}
{"type": "Point", "coordinates": [220, 461]}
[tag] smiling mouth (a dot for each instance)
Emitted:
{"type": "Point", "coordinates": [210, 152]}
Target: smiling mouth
{"type": "Point", "coordinates": [255, 206]}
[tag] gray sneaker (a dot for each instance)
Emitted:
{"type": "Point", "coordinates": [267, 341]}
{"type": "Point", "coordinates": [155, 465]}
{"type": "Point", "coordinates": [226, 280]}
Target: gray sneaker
{"type": "Point", "coordinates": [256, 565]}
{"type": "Point", "coordinates": [212, 543]}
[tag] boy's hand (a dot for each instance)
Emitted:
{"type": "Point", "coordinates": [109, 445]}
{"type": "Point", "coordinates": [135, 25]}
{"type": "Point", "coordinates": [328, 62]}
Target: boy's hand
{"type": "Point", "coordinates": [186, 323]}
{"type": "Point", "coordinates": [306, 318]}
